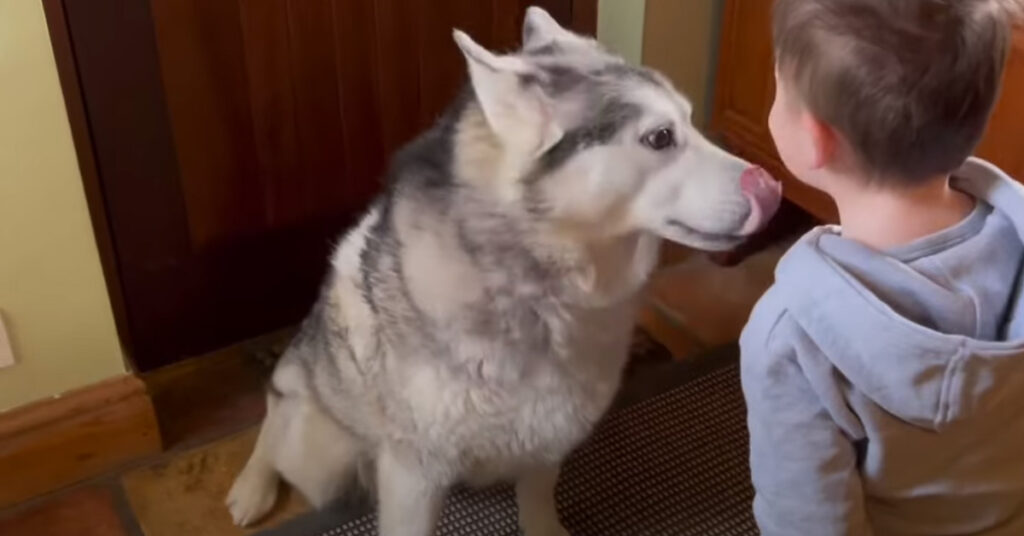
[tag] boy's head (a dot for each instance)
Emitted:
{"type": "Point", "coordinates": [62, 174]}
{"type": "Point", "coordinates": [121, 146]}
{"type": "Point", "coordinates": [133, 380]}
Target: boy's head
{"type": "Point", "coordinates": [897, 91]}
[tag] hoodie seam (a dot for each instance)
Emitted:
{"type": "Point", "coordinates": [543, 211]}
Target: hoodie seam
{"type": "Point", "coordinates": [853, 433]}
{"type": "Point", "coordinates": [876, 305]}
{"type": "Point", "coordinates": [960, 233]}
{"type": "Point", "coordinates": [774, 328]}
{"type": "Point", "coordinates": [938, 247]}
{"type": "Point", "coordinates": [948, 395]}
{"type": "Point", "coordinates": [971, 295]}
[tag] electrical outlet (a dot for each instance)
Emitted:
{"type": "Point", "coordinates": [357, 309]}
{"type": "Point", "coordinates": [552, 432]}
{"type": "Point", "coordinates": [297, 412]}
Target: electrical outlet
{"type": "Point", "coordinates": [6, 352]}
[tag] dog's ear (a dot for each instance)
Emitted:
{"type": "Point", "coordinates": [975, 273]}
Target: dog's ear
{"type": "Point", "coordinates": [506, 87]}
{"type": "Point", "coordinates": [540, 28]}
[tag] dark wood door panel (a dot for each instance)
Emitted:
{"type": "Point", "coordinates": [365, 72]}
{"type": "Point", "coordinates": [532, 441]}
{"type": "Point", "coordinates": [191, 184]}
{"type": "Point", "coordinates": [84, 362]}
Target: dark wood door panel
{"type": "Point", "coordinates": [1002, 143]}
{"type": "Point", "coordinates": [198, 45]}
{"type": "Point", "coordinates": [256, 98]}
{"type": "Point", "coordinates": [254, 92]}
{"type": "Point", "coordinates": [235, 139]}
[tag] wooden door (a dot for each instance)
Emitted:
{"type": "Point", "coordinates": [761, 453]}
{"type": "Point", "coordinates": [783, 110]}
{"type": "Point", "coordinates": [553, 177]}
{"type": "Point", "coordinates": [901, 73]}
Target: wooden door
{"type": "Point", "coordinates": [745, 89]}
{"type": "Point", "coordinates": [233, 140]}
{"type": "Point", "coordinates": [1002, 143]}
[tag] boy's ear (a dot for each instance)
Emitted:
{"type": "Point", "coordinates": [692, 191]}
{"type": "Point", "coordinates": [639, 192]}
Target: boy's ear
{"type": "Point", "coordinates": [517, 111]}
{"type": "Point", "coordinates": [824, 141]}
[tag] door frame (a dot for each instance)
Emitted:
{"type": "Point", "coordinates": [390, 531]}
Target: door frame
{"type": "Point", "coordinates": [81, 135]}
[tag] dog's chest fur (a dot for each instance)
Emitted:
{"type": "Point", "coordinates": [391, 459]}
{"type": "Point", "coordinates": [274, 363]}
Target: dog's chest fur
{"type": "Point", "coordinates": [462, 344]}
{"type": "Point", "coordinates": [529, 407]}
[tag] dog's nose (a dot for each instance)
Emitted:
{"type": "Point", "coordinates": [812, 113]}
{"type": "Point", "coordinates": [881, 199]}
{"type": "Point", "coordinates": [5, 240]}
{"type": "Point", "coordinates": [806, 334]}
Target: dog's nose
{"type": "Point", "coordinates": [764, 195]}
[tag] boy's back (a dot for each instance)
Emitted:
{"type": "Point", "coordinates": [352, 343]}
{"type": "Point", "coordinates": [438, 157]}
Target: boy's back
{"type": "Point", "coordinates": [886, 389]}
{"type": "Point", "coordinates": [884, 371]}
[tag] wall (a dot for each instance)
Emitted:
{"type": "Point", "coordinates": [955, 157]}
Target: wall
{"type": "Point", "coordinates": [620, 27]}
{"type": "Point", "coordinates": [52, 292]}
{"type": "Point", "coordinates": [676, 37]}
{"type": "Point", "coordinates": [681, 40]}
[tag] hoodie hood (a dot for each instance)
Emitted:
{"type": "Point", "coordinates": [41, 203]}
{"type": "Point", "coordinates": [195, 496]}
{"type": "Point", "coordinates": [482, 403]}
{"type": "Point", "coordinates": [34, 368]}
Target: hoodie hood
{"type": "Point", "coordinates": [944, 313]}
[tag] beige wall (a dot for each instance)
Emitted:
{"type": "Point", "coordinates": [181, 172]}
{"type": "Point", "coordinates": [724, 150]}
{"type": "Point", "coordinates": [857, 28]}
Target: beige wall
{"type": "Point", "coordinates": [620, 27]}
{"type": "Point", "coordinates": [680, 37]}
{"type": "Point", "coordinates": [52, 292]}
{"type": "Point", "coordinates": [677, 37]}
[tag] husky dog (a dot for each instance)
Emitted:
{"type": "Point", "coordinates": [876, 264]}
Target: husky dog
{"type": "Point", "coordinates": [474, 325]}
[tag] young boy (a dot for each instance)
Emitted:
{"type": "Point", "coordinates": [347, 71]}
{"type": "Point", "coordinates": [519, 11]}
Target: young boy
{"type": "Point", "coordinates": [884, 370]}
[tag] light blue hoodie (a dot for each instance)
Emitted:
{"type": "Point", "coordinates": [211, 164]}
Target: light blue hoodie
{"type": "Point", "coordinates": [885, 391]}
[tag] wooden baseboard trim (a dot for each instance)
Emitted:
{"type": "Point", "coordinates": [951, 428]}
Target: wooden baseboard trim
{"type": "Point", "coordinates": [53, 443]}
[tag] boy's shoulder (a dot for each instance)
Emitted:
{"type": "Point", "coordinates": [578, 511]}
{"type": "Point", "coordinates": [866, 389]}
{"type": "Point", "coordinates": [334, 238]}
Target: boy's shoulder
{"type": "Point", "coordinates": [769, 312]}
{"type": "Point", "coordinates": [808, 296]}
{"type": "Point", "coordinates": [793, 287]}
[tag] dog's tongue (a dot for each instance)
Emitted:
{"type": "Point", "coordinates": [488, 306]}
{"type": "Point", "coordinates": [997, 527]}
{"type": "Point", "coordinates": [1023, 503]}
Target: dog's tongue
{"type": "Point", "coordinates": [764, 194]}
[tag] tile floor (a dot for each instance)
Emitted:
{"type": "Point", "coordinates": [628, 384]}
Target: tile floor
{"type": "Point", "coordinates": [691, 305]}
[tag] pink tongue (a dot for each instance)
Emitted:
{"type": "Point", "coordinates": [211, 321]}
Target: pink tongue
{"type": "Point", "coordinates": [764, 194]}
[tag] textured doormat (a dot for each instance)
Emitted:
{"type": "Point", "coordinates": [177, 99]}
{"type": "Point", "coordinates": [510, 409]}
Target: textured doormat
{"type": "Point", "coordinates": [670, 459]}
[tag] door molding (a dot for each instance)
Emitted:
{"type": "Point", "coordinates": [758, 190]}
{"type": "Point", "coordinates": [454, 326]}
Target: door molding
{"type": "Point", "coordinates": [67, 73]}
{"type": "Point", "coordinates": [87, 432]}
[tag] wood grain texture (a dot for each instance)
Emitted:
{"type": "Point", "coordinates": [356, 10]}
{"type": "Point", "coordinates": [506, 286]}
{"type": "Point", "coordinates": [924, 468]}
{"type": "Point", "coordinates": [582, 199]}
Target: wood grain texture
{"type": "Point", "coordinates": [584, 17]}
{"type": "Point", "coordinates": [745, 85]}
{"type": "Point", "coordinates": [1002, 143]}
{"type": "Point", "coordinates": [357, 52]}
{"type": "Point", "coordinates": [201, 399]}
{"type": "Point", "coordinates": [88, 511]}
{"type": "Point", "coordinates": [205, 84]}
{"type": "Point", "coordinates": [84, 433]}
{"type": "Point", "coordinates": [318, 185]}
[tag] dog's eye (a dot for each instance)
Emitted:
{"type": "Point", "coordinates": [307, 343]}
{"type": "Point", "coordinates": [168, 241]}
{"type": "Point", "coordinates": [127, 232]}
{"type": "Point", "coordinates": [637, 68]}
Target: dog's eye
{"type": "Point", "coordinates": [660, 139]}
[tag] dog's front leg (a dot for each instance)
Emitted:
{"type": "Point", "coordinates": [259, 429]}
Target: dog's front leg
{"type": "Point", "coordinates": [535, 496]}
{"type": "Point", "coordinates": [410, 498]}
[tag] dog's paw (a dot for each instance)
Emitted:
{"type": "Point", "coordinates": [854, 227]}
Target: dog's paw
{"type": "Point", "coordinates": [251, 497]}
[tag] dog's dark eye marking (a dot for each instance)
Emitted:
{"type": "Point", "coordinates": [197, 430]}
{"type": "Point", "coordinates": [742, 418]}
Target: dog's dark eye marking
{"type": "Point", "coordinates": [660, 139]}
{"type": "Point", "coordinates": [608, 120]}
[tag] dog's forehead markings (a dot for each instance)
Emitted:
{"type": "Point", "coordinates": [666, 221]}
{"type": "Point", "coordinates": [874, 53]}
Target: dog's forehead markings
{"type": "Point", "coordinates": [624, 71]}
{"type": "Point", "coordinates": [564, 75]}
{"type": "Point", "coordinates": [550, 49]}
{"type": "Point", "coordinates": [609, 118]}
{"type": "Point", "coordinates": [659, 102]}
{"type": "Point", "coordinates": [561, 79]}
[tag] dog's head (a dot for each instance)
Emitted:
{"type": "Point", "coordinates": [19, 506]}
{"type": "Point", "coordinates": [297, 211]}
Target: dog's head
{"type": "Point", "coordinates": [598, 147]}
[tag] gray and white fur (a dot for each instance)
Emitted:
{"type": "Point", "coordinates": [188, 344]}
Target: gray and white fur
{"type": "Point", "coordinates": [474, 325]}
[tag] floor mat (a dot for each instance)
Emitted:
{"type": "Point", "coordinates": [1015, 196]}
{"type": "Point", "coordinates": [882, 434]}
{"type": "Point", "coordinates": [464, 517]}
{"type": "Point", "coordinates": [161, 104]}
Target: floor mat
{"type": "Point", "coordinates": [671, 459]}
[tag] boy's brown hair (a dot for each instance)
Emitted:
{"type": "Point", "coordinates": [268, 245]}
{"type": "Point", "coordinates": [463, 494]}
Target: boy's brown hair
{"type": "Point", "coordinates": [910, 84]}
